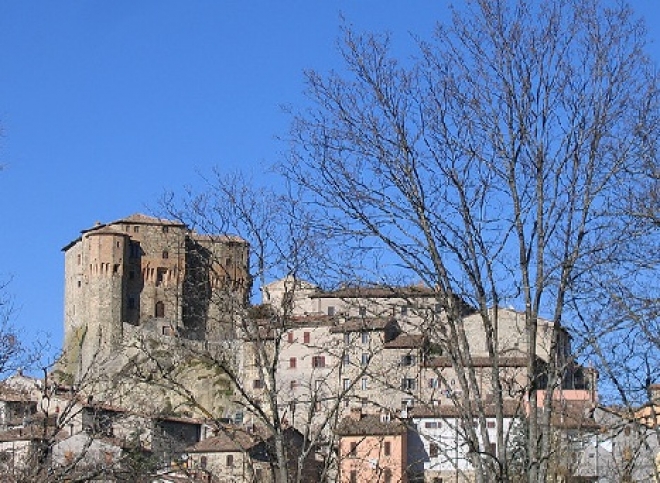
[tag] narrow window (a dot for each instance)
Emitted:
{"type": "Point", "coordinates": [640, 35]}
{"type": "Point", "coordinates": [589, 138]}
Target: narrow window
{"type": "Point", "coordinates": [292, 363]}
{"type": "Point", "coordinates": [115, 268]}
{"type": "Point", "coordinates": [230, 461]}
{"type": "Point", "coordinates": [365, 359]}
{"type": "Point", "coordinates": [166, 254]}
{"type": "Point", "coordinates": [346, 384]}
{"type": "Point", "coordinates": [136, 229]}
{"type": "Point", "coordinates": [354, 476]}
{"type": "Point", "coordinates": [290, 337]}
{"type": "Point", "coordinates": [331, 311]}
{"type": "Point", "coordinates": [365, 337]}
{"type": "Point", "coordinates": [347, 338]}
{"type": "Point", "coordinates": [203, 461]}
{"type": "Point", "coordinates": [387, 448]}
{"type": "Point", "coordinates": [434, 450]}
{"type": "Point", "coordinates": [353, 449]}
{"type": "Point", "coordinates": [365, 383]}
{"type": "Point", "coordinates": [404, 310]}
{"type": "Point", "coordinates": [257, 384]}
{"type": "Point", "coordinates": [318, 361]}
{"type": "Point", "coordinates": [387, 476]}
{"type": "Point", "coordinates": [160, 310]}
{"type": "Point", "coordinates": [293, 384]}
{"type": "Point", "coordinates": [165, 229]}
{"type": "Point", "coordinates": [79, 259]}
{"type": "Point", "coordinates": [493, 448]}
{"type": "Point", "coordinates": [160, 275]}
{"type": "Point", "coordinates": [79, 283]}
{"type": "Point", "coordinates": [363, 311]}
{"type": "Point", "coordinates": [306, 337]}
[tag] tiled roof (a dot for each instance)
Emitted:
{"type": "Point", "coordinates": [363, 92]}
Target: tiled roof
{"type": "Point", "coordinates": [355, 324]}
{"type": "Point", "coordinates": [230, 440]}
{"type": "Point", "coordinates": [406, 341]}
{"type": "Point", "coordinates": [370, 424]}
{"type": "Point", "coordinates": [376, 292]}
{"type": "Point", "coordinates": [444, 361]}
{"type": "Point", "coordinates": [142, 219]}
{"type": "Point", "coordinates": [10, 394]}
{"type": "Point", "coordinates": [510, 409]}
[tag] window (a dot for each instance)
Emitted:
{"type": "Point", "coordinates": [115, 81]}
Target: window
{"type": "Point", "coordinates": [306, 337]}
{"type": "Point", "coordinates": [331, 311]}
{"type": "Point", "coordinates": [79, 284]}
{"type": "Point", "coordinates": [165, 229]}
{"type": "Point", "coordinates": [347, 359]}
{"type": "Point", "coordinates": [362, 311]}
{"type": "Point", "coordinates": [404, 310]}
{"type": "Point", "coordinates": [490, 424]}
{"type": "Point", "coordinates": [365, 337]}
{"type": "Point", "coordinates": [493, 448]}
{"type": "Point", "coordinates": [79, 259]}
{"type": "Point", "coordinates": [387, 476]}
{"type": "Point", "coordinates": [433, 383]}
{"type": "Point", "coordinates": [365, 383]}
{"type": "Point", "coordinates": [408, 384]}
{"type": "Point", "coordinates": [257, 384]}
{"type": "Point", "coordinates": [318, 361]}
{"type": "Point", "coordinates": [317, 384]}
{"type": "Point", "coordinates": [160, 310]}
{"type": "Point", "coordinates": [293, 384]}
{"type": "Point", "coordinates": [160, 275]}
{"type": "Point", "coordinates": [290, 337]}
{"type": "Point", "coordinates": [434, 450]}
{"type": "Point", "coordinates": [387, 448]}
{"type": "Point", "coordinates": [353, 449]}
{"type": "Point", "coordinates": [136, 229]}
{"type": "Point", "coordinates": [432, 425]}
{"type": "Point", "coordinates": [347, 338]}
{"type": "Point", "coordinates": [115, 268]}
{"type": "Point", "coordinates": [166, 254]}
{"type": "Point", "coordinates": [346, 384]}
{"type": "Point", "coordinates": [230, 460]}
{"type": "Point", "coordinates": [408, 360]}
{"type": "Point", "coordinates": [364, 401]}
{"type": "Point", "coordinates": [228, 262]}
{"type": "Point", "coordinates": [354, 476]}
{"type": "Point", "coordinates": [258, 474]}
{"type": "Point", "coordinates": [292, 363]}
{"type": "Point", "coordinates": [203, 462]}
{"type": "Point", "coordinates": [167, 330]}
{"type": "Point", "coordinates": [365, 358]}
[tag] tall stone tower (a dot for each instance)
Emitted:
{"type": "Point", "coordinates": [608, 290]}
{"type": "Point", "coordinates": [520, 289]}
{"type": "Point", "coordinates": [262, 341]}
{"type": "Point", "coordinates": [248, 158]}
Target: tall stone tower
{"type": "Point", "coordinates": [152, 276]}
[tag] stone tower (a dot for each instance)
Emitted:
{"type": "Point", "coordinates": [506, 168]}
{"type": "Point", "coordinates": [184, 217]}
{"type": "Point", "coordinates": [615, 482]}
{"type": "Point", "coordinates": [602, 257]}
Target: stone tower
{"type": "Point", "coordinates": [152, 276]}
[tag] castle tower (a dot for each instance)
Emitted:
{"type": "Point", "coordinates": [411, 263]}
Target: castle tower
{"type": "Point", "coordinates": [147, 275]}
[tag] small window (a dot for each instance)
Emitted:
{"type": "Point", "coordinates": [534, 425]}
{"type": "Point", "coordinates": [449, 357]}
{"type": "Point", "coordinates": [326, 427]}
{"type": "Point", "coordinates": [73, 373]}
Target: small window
{"type": "Point", "coordinates": [354, 476]}
{"type": "Point", "coordinates": [408, 360]}
{"type": "Point", "coordinates": [166, 254]}
{"type": "Point", "coordinates": [228, 262]}
{"type": "Point", "coordinates": [431, 424]}
{"type": "Point", "coordinates": [290, 337]}
{"type": "Point", "coordinates": [331, 311]}
{"type": "Point", "coordinates": [365, 358]}
{"type": "Point", "coordinates": [387, 448]}
{"type": "Point", "coordinates": [347, 359]}
{"type": "Point", "coordinates": [347, 338]}
{"type": "Point", "coordinates": [79, 259]}
{"type": "Point", "coordinates": [79, 284]}
{"type": "Point", "coordinates": [387, 476]}
{"type": "Point", "coordinates": [306, 337]}
{"type": "Point", "coordinates": [259, 474]}
{"type": "Point", "coordinates": [203, 461]}
{"type": "Point", "coordinates": [115, 268]}
{"type": "Point", "coordinates": [257, 384]}
{"type": "Point", "coordinates": [160, 275]}
{"type": "Point", "coordinates": [365, 337]}
{"type": "Point", "coordinates": [408, 384]}
{"type": "Point", "coordinates": [167, 330]}
{"type": "Point", "coordinates": [292, 363]}
{"type": "Point", "coordinates": [160, 310]}
{"type": "Point", "coordinates": [404, 310]}
{"type": "Point", "coordinates": [136, 229]}
{"type": "Point", "coordinates": [353, 449]}
{"type": "Point", "coordinates": [363, 311]}
{"type": "Point", "coordinates": [346, 384]}
{"type": "Point", "coordinates": [365, 383]}
{"type": "Point", "coordinates": [493, 448]}
{"type": "Point", "coordinates": [490, 424]}
{"type": "Point", "coordinates": [433, 383]}
{"type": "Point", "coordinates": [293, 384]}
{"type": "Point", "coordinates": [165, 229]}
{"type": "Point", "coordinates": [230, 461]}
{"type": "Point", "coordinates": [364, 401]}
{"type": "Point", "coordinates": [434, 450]}
{"type": "Point", "coordinates": [318, 361]}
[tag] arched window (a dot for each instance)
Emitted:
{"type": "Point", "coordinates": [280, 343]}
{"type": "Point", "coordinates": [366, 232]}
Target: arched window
{"type": "Point", "coordinates": [160, 310]}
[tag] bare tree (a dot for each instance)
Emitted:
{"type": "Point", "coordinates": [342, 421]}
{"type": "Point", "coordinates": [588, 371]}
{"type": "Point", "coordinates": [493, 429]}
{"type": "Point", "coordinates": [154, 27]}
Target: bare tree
{"type": "Point", "coordinates": [491, 168]}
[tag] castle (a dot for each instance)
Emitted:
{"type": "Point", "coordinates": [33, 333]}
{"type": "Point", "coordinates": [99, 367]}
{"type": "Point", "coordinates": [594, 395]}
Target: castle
{"type": "Point", "coordinates": [152, 276]}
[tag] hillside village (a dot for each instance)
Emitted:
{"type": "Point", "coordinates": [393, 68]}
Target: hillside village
{"type": "Point", "coordinates": [168, 374]}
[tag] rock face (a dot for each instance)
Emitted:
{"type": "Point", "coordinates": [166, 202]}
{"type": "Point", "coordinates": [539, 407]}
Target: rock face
{"type": "Point", "coordinates": [141, 286]}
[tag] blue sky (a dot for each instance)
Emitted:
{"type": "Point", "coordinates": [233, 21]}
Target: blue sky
{"type": "Point", "coordinates": [104, 105]}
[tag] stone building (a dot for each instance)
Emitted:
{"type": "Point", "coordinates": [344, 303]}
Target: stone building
{"type": "Point", "coordinates": [148, 275]}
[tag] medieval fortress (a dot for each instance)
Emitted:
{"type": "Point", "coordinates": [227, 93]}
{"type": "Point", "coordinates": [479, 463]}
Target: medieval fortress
{"type": "Point", "coordinates": [152, 276]}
